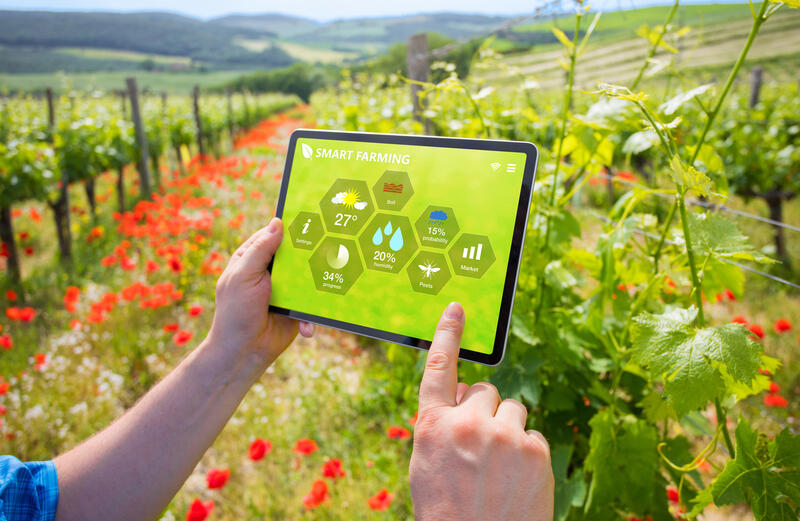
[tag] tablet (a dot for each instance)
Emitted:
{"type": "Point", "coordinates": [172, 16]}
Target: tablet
{"type": "Point", "coordinates": [384, 230]}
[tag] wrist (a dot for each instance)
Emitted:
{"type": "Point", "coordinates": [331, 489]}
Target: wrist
{"type": "Point", "coordinates": [233, 361]}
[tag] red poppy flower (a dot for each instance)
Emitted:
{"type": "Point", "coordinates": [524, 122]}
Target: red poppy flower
{"type": "Point", "coordinates": [774, 388]}
{"type": "Point", "coordinates": [11, 295]}
{"type": "Point", "coordinates": [74, 324]}
{"type": "Point", "coordinates": [21, 314]}
{"type": "Point", "coordinates": [181, 337]}
{"type": "Point", "coordinates": [259, 448]}
{"type": "Point", "coordinates": [413, 421]}
{"type": "Point", "coordinates": [175, 264]}
{"type": "Point", "coordinates": [757, 330]}
{"type": "Point", "coordinates": [305, 446]}
{"type": "Point", "coordinates": [195, 310]}
{"type": "Point", "coordinates": [95, 233]}
{"type": "Point", "coordinates": [29, 250]}
{"type": "Point", "coordinates": [317, 496]}
{"type": "Point", "coordinates": [36, 216]}
{"type": "Point", "coordinates": [199, 511]}
{"type": "Point", "coordinates": [381, 501]}
{"type": "Point", "coordinates": [216, 478]}
{"type": "Point", "coordinates": [6, 342]}
{"type": "Point", "coordinates": [4, 388]}
{"type": "Point", "coordinates": [775, 400]}
{"type": "Point", "coordinates": [739, 319]}
{"type": "Point", "coordinates": [151, 266]}
{"type": "Point", "coordinates": [109, 260]}
{"type": "Point", "coordinates": [782, 325]}
{"type": "Point", "coordinates": [728, 294]}
{"type": "Point", "coordinates": [673, 496]}
{"type": "Point", "coordinates": [398, 433]}
{"type": "Point", "coordinates": [333, 469]}
{"type": "Point", "coordinates": [171, 328]}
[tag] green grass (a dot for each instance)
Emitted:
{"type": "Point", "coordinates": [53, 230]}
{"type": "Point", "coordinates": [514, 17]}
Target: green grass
{"type": "Point", "coordinates": [171, 82]}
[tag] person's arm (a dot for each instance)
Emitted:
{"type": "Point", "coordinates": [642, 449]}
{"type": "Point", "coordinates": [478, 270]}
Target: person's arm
{"type": "Point", "coordinates": [132, 469]}
{"type": "Point", "coordinates": [472, 458]}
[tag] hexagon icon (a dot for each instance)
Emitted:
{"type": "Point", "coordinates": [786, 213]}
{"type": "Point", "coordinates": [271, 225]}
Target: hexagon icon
{"type": "Point", "coordinates": [346, 206]}
{"type": "Point", "coordinates": [428, 272]}
{"type": "Point", "coordinates": [335, 265]}
{"type": "Point", "coordinates": [471, 255]}
{"type": "Point", "coordinates": [393, 190]}
{"type": "Point", "coordinates": [387, 242]}
{"type": "Point", "coordinates": [306, 230]}
{"type": "Point", "coordinates": [437, 227]}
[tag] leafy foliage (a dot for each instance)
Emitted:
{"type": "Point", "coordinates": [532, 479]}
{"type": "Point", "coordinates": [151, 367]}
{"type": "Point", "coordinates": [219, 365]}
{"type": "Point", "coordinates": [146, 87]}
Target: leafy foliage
{"type": "Point", "coordinates": [693, 362]}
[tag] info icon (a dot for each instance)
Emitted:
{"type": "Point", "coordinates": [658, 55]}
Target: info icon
{"type": "Point", "coordinates": [335, 265]}
{"type": "Point", "coordinates": [471, 255]}
{"type": "Point", "coordinates": [306, 230]}
{"type": "Point", "coordinates": [393, 190]}
{"type": "Point", "coordinates": [428, 272]}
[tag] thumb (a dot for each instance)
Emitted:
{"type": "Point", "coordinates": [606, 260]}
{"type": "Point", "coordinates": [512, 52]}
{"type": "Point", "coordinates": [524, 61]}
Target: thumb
{"type": "Point", "coordinates": [265, 242]}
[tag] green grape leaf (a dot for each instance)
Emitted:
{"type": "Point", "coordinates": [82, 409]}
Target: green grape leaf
{"type": "Point", "coordinates": [623, 461]}
{"type": "Point", "coordinates": [693, 363]}
{"type": "Point", "coordinates": [640, 141]}
{"type": "Point", "coordinates": [714, 235]}
{"type": "Point", "coordinates": [569, 491]}
{"type": "Point", "coordinates": [765, 474]}
{"type": "Point", "coordinates": [671, 105]}
{"type": "Point", "coordinates": [519, 380]}
{"type": "Point", "coordinates": [689, 178]}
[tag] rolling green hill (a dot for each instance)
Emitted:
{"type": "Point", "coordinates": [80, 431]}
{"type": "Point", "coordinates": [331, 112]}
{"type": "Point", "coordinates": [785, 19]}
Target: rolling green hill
{"type": "Point", "coordinates": [267, 23]}
{"type": "Point", "coordinates": [39, 37]}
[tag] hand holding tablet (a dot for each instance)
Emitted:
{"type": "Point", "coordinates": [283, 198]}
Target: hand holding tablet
{"type": "Point", "coordinates": [384, 230]}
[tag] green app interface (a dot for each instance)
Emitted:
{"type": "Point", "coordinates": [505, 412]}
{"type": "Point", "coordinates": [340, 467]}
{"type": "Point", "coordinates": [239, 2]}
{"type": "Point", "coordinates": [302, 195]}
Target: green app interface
{"type": "Point", "coordinates": [386, 235]}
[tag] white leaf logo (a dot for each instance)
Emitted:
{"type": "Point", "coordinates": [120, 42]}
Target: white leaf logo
{"type": "Point", "coordinates": [308, 152]}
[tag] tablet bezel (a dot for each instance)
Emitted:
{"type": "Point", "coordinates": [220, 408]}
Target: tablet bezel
{"type": "Point", "coordinates": [517, 241]}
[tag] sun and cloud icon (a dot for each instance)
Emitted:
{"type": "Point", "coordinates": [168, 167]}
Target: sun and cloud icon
{"type": "Point", "coordinates": [349, 199]}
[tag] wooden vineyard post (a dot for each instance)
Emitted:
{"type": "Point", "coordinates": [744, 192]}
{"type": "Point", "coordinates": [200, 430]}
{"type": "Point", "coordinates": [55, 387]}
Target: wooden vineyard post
{"type": "Point", "coordinates": [418, 66]}
{"type": "Point", "coordinates": [197, 122]}
{"type": "Point", "coordinates": [755, 85]}
{"type": "Point", "coordinates": [141, 138]}
{"type": "Point", "coordinates": [51, 115]}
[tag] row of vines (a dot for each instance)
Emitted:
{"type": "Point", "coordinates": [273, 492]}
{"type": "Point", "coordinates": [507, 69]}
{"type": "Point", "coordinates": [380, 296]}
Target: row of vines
{"type": "Point", "coordinates": [44, 152]}
{"type": "Point", "coordinates": [636, 386]}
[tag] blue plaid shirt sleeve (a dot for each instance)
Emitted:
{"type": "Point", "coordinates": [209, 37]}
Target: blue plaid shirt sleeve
{"type": "Point", "coordinates": [28, 491]}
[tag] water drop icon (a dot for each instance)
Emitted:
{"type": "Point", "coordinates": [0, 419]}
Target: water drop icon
{"type": "Point", "coordinates": [377, 237]}
{"type": "Point", "coordinates": [397, 240]}
{"type": "Point", "coordinates": [388, 228]}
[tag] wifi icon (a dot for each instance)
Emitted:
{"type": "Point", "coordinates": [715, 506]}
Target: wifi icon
{"type": "Point", "coordinates": [494, 166]}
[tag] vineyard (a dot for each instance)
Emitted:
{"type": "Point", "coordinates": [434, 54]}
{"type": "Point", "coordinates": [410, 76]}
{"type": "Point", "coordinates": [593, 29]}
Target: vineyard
{"type": "Point", "coordinates": [655, 328]}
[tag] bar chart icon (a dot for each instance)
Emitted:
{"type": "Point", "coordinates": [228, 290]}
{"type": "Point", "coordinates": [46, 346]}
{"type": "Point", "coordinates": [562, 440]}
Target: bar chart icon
{"type": "Point", "coordinates": [473, 252]}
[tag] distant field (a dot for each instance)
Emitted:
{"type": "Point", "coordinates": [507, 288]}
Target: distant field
{"type": "Point", "coordinates": [113, 54]}
{"type": "Point", "coordinates": [315, 54]}
{"type": "Point", "coordinates": [615, 53]}
{"type": "Point", "coordinates": [175, 83]}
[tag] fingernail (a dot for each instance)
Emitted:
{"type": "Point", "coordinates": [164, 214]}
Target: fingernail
{"type": "Point", "coordinates": [273, 225]}
{"type": "Point", "coordinates": [454, 311]}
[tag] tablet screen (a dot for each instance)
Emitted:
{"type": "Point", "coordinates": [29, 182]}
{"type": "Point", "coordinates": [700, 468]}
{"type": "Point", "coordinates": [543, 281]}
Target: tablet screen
{"type": "Point", "coordinates": [385, 235]}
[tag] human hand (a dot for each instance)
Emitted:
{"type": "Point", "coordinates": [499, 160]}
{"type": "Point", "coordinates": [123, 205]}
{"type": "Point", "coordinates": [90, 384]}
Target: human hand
{"type": "Point", "coordinates": [241, 320]}
{"type": "Point", "coordinates": [472, 458]}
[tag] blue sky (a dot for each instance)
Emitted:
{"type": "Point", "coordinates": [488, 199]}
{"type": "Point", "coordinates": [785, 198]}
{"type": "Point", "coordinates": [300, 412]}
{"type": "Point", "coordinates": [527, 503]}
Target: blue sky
{"type": "Point", "coordinates": [323, 10]}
